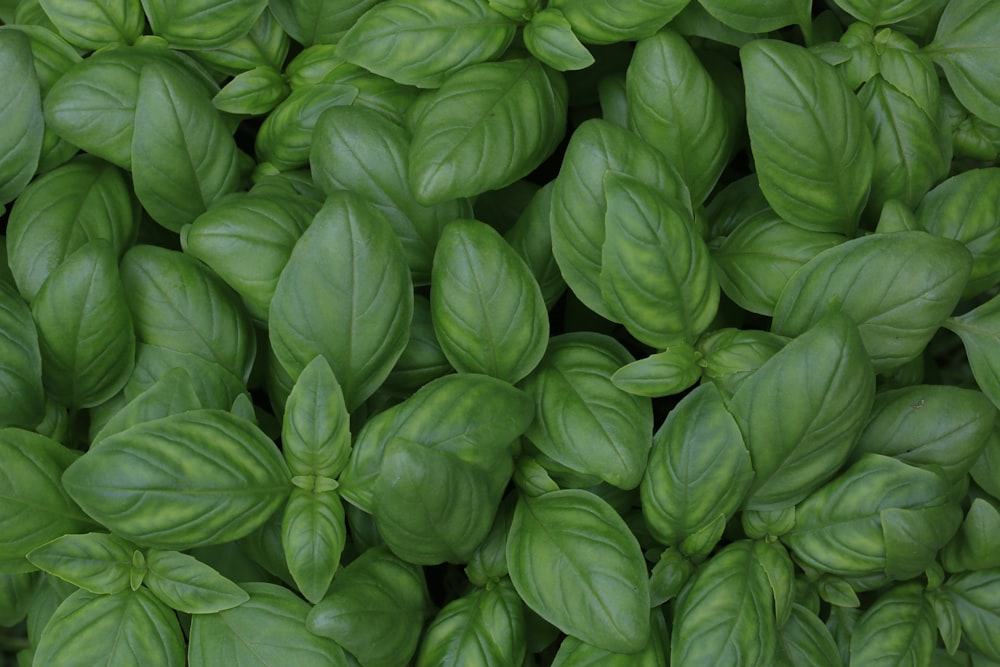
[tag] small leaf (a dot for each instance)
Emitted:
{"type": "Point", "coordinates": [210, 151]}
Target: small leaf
{"type": "Point", "coordinates": [660, 374]}
{"type": "Point", "coordinates": [186, 584]}
{"type": "Point", "coordinates": [313, 535]}
{"type": "Point", "coordinates": [315, 433]}
{"type": "Point", "coordinates": [549, 37]}
{"type": "Point", "coordinates": [252, 93]}
{"type": "Point", "coordinates": [96, 562]}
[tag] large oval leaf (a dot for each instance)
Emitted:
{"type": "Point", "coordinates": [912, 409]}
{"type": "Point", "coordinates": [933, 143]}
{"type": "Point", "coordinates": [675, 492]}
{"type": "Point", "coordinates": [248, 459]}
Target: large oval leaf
{"type": "Point", "coordinates": [202, 24]}
{"type": "Point", "coordinates": [190, 479]}
{"type": "Point", "coordinates": [89, 27]}
{"type": "Point", "coordinates": [487, 126]}
{"type": "Point", "coordinates": [810, 143]}
{"type": "Point", "coordinates": [20, 115]}
{"type": "Point", "coordinates": [346, 294]}
{"type": "Point", "coordinates": [575, 562]}
{"type": "Point", "coordinates": [488, 312]}
{"type": "Point", "coordinates": [898, 289]}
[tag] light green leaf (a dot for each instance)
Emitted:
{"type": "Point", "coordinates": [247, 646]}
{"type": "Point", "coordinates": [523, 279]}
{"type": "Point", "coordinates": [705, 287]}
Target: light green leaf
{"type": "Point", "coordinates": [575, 562]}
{"type": "Point", "coordinates": [96, 562]}
{"type": "Point", "coordinates": [202, 24]}
{"type": "Point", "coordinates": [549, 37]}
{"type": "Point", "coordinates": [84, 328]}
{"type": "Point", "coordinates": [252, 93]}
{"type": "Point", "coordinates": [883, 12]}
{"type": "Point", "coordinates": [91, 25]}
{"type": "Point", "coordinates": [266, 45]}
{"type": "Point", "coordinates": [660, 374]}
{"type": "Point", "coordinates": [285, 137]}
{"type": "Point", "coordinates": [487, 126]}
{"type": "Point", "coordinates": [346, 294]}
{"type": "Point", "coordinates": [899, 628]}
{"type": "Point", "coordinates": [806, 641]}
{"type": "Point", "coordinates": [897, 288]}
{"type": "Point", "coordinates": [674, 104]}
{"type": "Point", "coordinates": [20, 115]}
{"type": "Point", "coordinates": [610, 21]}
{"type": "Point", "coordinates": [313, 535]}
{"type": "Point", "coordinates": [488, 312]}
{"type": "Point", "coordinates": [974, 595]}
{"type": "Point", "coordinates": [323, 22]}
{"type": "Point", "coordinates": [120, 630]}
{"type": "Point", "coordinates": [224, 479]}
{"type": "Point", "coordinates": [186, 584]}
{"type": "Point", "coordinates": [811, 147]}
{"type": "Point", "coordinates": [756, 16]}
{"type": "Point", "coordinates": [268, 630]}
{"type": "Point", "coordinates": [422, 42]}
{"type": "Point", "coordinates": [178, 304]}
{"type": "Point", "coordinates": [196, 157]}
{"type": "Point", "coordinates": [315, 433]}
{"type": "Point", "coordinates": [976, 546]}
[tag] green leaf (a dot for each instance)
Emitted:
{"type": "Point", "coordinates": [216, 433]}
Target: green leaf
{"type": "Point", "coordinates": [285, 137]}
{"type": "Point", "coordinates": [979, 329]}
{"type": "Point", "coordinates": [693, 135]}
{"type": "Point", "coordinates": [965, 49]}
{"type": "Point", "coordinates": [20, 115]}
{"type": "Point", "coordinates": [34, 507]}
{"type": "Point", "coordinates": [811, 147]}
{"type": "Point", "coordinates": [315, 433]}
{"type": "Point", "coordinates": [196, 157]}
{"type": "Point", "coordinates": [318, 21]}
{"type": "Point", "coordinates": [186, 584]}
{"type": "Point", "coordinates": [180, 305]}
{"type": "Point", "coordinates": [575, 653]}
{"type": "Point", "coordinates": [422, 360]}
{"type": "Point", "coordinates": [361, 150]}
{"type": "Point", "coordinates": [484, 627]}
{"type": "Point", "coordinates": [582, 420]}
{"type": "Point", "coordinates": [96, 562]}
{"type": "Point", "coordinates": [725, 614]}
{"type": "Point", "coordinates": [474, 417]}
{"type": "Point", "coordinates": [898, 628]}
{"type": "Point", "coordinates": [202, 24]}
{"type": "Point", "coordinates": [213, 386]}
{"type": "Point", "coordinates": [975, 596]}
{"type": "Point", "coordinates": [84, 328]}
{"type": "Point", "coordinates": [976, 546]}
{"type": "Point", "coordinates": [375, 609]}
{"type": "Point", "coordinates": [20, 363]}
{"type": "Point", "coordinates": [610, 21]}
{"type": "Point", "coordinates": [488, 312]}
{"type": "Point", "coordinates": [756, 16]}
{"type": "Point", "coordinates": [698, 468]}
{"type": "Point", "coordinates": [656, 276]}
{"type": "Point", "coordinates": [898, 288]}
{"type": "Point", "coordinates": [346, 294]}
{"type": "Point", "coordinates": [965, 208]}
{"type": "Point", "coordinates": [882, 12]}
{"type": "Point", "coordinates": [266, 45]}
{"type": "Point", "coordinates": [938, 427]}
{"type": "Point", "coordinates": [253, 93]}
{"type": "Point", "coordinates": [575, 562]}
{"type": "Point", "coordinates": [806, 641]}
{"type": "Point", "coordinates": [422, 42]}
{"type": "Point", "coordinates": [512, 112]}
{"type": "Point", "coordinates": [826, 387]}
{"type": "Point", "coordinates": [268, 630]}
{"type": "Point", "coordinates": [83, 200]}
{"type": "Point", "coordinates": [313, 535]}
{"type": "Point", "coordinates": [549, 37]}
{"type": "Point", "coordinates": [127, 628]}
{"type": "Point", "coordinates": [224, 479]}
{"type": "Point", "coordinates": [660, 374]}
{"type": "Point", "coordinates": [847, 527]}
{"type": "Point", "coordinates": [90, 26]}
{"type": "Point", "coordinates": [730, 356]}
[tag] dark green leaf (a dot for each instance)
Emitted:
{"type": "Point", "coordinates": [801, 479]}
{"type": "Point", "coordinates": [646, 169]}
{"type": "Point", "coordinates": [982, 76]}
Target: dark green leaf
{"type": "Point", "coordinates": [899, 628]}
{"type": "Point", "coordinates": [20, 115]}
{"type": "Point", "coordinates": [23, 401]}
{"type": "Point", "coordinates": [319, 21]}
{"type": "Point", "coordinates": [91, 26]}
{"type": "Point", "coordinates": [979, 330]}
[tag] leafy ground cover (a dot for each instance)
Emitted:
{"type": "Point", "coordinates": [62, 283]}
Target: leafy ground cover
{"type": "Point", "coordinates": [468, 332]}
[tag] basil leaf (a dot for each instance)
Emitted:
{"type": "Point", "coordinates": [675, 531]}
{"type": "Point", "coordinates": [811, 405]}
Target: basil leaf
{"type": "Point", "coordinates": [574, 652]}
{"type": "Point", "coordinates": [180, 305]}
{"type": "Point", "coordinates": [374, 609]}
{"type": "Point", "coordinates": [202, 24]}
{"type": "Point", "coordinates": [96, 562]}
{"type": "Point", "coordinates": [421, 43]}
{"type": "Point", "coordinates": [318, 21]}
{"type": "Point", "coordinates": [513, 111]}
{"type": "Point", "coordinates": [699, 468]}
{"type": "Point", "coordinates": [974, 597]}
{"type": "Point", "coordinates": [794, 99]}
{"type": "Point", "coordinates": [754, 16]}
{"type": "Point", "coordinates": [253, 93]}
{"type": "Point", "coordinates": [197, 159]}
{"type": "Point", "coordinates": [487, 309]}
{"type": "Point", "coordinates": [978, 330]}
{"type": "Point", "coordinates": [531, 238]}
{"type": "Point", "coordinates": [188, 585]}
{"type": "Point", "coordinates": [796, 449]}
{"type": "Point", "coordinates": [315, 433]}
{"type": "Point", "coordinates": [574, 561]}
{"type": "Point", "coordinates": [806, 641]}
{"type": "Point", "coordinates": [360, 150]}
{"type": "Point", "coordinates": [20, 115]}
{"type": "Point", "coordinates": [694, 136]}
{"type": "Point", "coordinates": [213, 386]}
{"type": "Point", "coordinates": [484, 627]}
{"type": "Point", "coordinates": [661, 374]}
{"type": "Point", "coordinates": [656, 276]}
{"type": "Point", "coordinates": [81, 201]}
{"type": "Point", "coordinates": [17, 594]}
{"type": "Point", "coordinates": [268, 630]}
{"type": "Point", "coordinates": [422, 359]}
{"type": "Point", "coordinates": [550, 38]}
{"type": "Point", "coordinates": [127, 628]}
{"type": "Point", "coordinates": [35, 507]}
{"type": "Point", "coordinates": [91, 28]}
{"type": "Point", "coordinates": [285, 137]}
{"type": "Point", "coordinates": [266, 45]}
{"type": "Point", "coordinates": [875, 281]}
{"type": "Point", "coordinates": [607, 21]}
{"type": "Point", "coordinates": [20, 363]}
{"type": "Point", "coordinates": [964, 48]}
{"type": "Point", "coordinates": [582, 420]}
{"type": "Point", "coordinates": [84, 328]}
{"type": "Point", "coordinates": [346, 294]}
{"type": "Point", "coordinates": [224, 479]}
{"type": "Point", "coordinates": [899, 626]}
{"type": "Point", "coordinates": [725, 613]}
{"type": "Point", "coordinates": [313, 536]}
{"type": "Point", "coordinates": [976, 545]}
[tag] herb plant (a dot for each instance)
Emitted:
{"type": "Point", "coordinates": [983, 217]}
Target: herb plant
{"type": "Point", "coordinates": [500, 332]}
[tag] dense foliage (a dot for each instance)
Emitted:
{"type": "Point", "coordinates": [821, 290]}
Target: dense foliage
{"type": "Point", "coordinates": [499, 332]}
